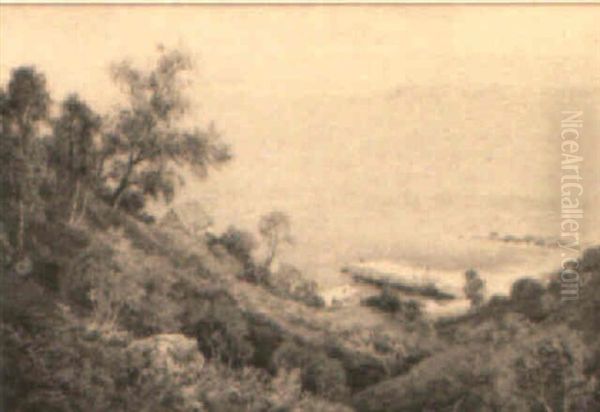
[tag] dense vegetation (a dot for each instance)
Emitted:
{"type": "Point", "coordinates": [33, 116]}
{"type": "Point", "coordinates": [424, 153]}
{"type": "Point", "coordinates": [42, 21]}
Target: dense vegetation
{"type": "Point", "coordinates": [527, 352]}
{"type": "Point", "coordinates": [104, 310]}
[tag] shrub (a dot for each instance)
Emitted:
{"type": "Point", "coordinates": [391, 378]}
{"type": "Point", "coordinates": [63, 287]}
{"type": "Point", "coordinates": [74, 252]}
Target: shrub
{"type": "Point", "coordinates": [238, 243]}
{"type": "Point", "coordinates": [546, 372]}
{"type": "Point", "coordinates": [265, 337]}
{"type": "Point", "coordinates": [64, 367]}
{"type": "Point", "coordinates": [68, 365]}
{"type": "Point", "coordinates": [411, 310]}
{"type": "Point", "coordinates": [76, 366]}
{"type": "Point", "coordinates": [165, 367]}
{"type": "Point", "coordinates": [386, 301]}
{"type": "Point", "coordinates": [320, 374]}
{"type": "Point", "coordinates": [289, 282]}
{"type": "Point", "coordinates": [324, 376]}
{"type": "Point", "coordinates": [526, 295]}
{"type": "Point", "coordinates": [590, 261]}
{"type": "Point", "coordinates": [222, 331]}
{"type": "Point", "coordinates": [116, 283]}
{"type": "Point", "coordinates": [289, 355]}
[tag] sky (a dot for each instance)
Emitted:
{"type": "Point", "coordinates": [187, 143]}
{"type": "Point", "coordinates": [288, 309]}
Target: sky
{"type": "Point", "coordinates": [385, 132]}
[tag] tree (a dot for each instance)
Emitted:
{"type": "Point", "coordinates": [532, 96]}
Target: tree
{"type": "Point", "coordinates": [73, 153]}
{"type": "Point", "coordinates": [24, 107]}
{"type": "Point", "coordinates": [474, 288]}
{"type": "Point", "coordinates": [147, 142]}
{"type": "Point", "coordinates": [275, 228]}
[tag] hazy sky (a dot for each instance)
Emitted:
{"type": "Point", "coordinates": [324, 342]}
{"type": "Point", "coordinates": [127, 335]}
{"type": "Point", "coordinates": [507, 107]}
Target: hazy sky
{"type": "Point", "coordinates": [382, 131]}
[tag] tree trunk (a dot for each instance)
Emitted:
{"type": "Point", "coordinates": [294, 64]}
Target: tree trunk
{"type": "Point", "coordinates": [272, 251]}
{"type": "Point", "coordinates": [124, 183]}
{"type": "Point", "coordinates": [116, 197]}
{"type": "Point", "coordinates": [23, 184]}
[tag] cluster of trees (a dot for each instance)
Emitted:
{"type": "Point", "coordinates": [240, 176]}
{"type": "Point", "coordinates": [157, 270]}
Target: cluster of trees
{"type": "Point", "coordinates": [54, 165]}
{"type": "Point", "coordinates": [275, 231]}
{"type": "Point", "coordinates": [284, 279]}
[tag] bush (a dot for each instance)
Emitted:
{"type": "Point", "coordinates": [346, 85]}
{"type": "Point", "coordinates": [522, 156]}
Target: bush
{"type": "Point", "coordinates": [238, 243]}
{"type": "Point", "coordinates": [64, 367]}
{"type": "Point", "coordinates": [325, 376]}
{"type": "Point", "coordinates": [320, 374]}
{"type": "Point", "coordinates": [68, 364]}
{"type": "Point", "coordinates": [165, 367]}
{"type": "Point", "coordinates": [248, 389]}
{"type": "Point", "coordinates": [388, 301]}
{"type": "Point", "coordinates": [265, 337]}
{"type": "Point", "coordinates": [222, 331]}
{"type": "Point", "coordinates": [289, 355]}
{"type": "Point", "coordinates": [526, 295]}
{"type": "Point", "coordinates": [546, 372]}
{"type": "Point", "coordinates": [411, 310]}
{"type": "Point", "coordinates": [290, 283]}
{"type": "Point", "coordinates": [590, 261]}
{"type": "Point", "coordinates": [115, 282]}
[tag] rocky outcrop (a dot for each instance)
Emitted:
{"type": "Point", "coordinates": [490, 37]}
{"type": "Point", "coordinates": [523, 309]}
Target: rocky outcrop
{"type": "Point", "coordinates": [426, 282]}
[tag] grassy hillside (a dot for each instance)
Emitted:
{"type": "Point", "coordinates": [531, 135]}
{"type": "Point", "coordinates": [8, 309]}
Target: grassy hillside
{"type": "Point", "coordinates": [99, 287]}
{"type": "Point", "coordinates": [100, 290]}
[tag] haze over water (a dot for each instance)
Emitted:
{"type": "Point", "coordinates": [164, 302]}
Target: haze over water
{"type": "Point", "coordinates": [385, 133]}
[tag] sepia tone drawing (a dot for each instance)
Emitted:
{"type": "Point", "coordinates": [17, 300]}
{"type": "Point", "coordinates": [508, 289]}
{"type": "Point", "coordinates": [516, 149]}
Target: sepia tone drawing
{"type": "Point", "coordinates": [370, 208]}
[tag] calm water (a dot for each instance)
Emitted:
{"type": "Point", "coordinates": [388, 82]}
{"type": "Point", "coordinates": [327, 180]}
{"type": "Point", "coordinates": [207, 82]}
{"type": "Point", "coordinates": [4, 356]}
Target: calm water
{"type": "Point", "coordinates": [417, 175]}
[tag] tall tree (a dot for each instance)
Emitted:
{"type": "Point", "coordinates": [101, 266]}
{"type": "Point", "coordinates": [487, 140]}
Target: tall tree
{"type": "Point", "coordinates": [73, 153]}
{"type": "Point", "coordinates": [148, 143]}
{"type": "Point", "coordinates": [275, 228]}
{"type": "Point", "coordinates": [23, 108]}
